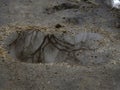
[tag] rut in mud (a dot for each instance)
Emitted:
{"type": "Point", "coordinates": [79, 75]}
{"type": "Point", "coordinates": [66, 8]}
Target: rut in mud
{"type": "Point", "coordinates": [38, 47]}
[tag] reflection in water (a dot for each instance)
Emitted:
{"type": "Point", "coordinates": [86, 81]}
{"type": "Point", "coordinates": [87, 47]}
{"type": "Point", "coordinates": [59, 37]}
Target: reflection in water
{"type": "Point", "coordinates": [38, 47]}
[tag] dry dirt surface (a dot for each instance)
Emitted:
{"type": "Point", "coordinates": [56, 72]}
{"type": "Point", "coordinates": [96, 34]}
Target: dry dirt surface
{"type": "Point", "coordinates": [59, 45]}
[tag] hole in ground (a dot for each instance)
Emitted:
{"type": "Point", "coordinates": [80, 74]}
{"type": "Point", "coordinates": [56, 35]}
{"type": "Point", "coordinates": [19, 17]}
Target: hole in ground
{"type": "Point", "coordinates": [38, 47]}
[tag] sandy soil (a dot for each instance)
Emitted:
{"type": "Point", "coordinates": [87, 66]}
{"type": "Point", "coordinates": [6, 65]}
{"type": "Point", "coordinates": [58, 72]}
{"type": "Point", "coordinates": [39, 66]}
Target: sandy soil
{"type": "Point", "coordinates": [73, 16]}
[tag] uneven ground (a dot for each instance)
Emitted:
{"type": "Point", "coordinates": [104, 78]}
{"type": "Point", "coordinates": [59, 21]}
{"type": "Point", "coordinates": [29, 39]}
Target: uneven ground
{"type": "Point", "coordinates": [98, 70]}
